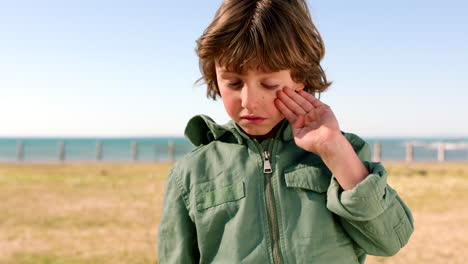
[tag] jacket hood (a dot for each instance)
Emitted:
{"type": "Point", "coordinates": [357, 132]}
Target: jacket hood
{"type": "Point", "coordinates": [201, 130]}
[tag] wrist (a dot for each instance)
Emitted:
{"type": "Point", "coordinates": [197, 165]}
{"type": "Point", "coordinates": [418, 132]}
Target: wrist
{"type": "Point", "coordinates": [340, 157]}
{"type": "Point", "coordinates": [334, 144]}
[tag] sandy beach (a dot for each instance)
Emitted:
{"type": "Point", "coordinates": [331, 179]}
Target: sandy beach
{"type": "Point", "coordinates": [109, 212]}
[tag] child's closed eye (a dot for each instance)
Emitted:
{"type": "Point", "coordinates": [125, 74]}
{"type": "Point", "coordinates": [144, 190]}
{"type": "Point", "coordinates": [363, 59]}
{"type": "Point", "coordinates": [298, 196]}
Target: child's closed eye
{"type": "Point", "coordinates": [270, 86]}
{"type": "Point", "coordinates": [238, 84]}
{"type": "Point", "coordinates": [235, 85]}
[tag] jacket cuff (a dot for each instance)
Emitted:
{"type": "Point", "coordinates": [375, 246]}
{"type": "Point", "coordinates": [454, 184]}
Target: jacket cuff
{"type": "Point", "coordinates": [367, 200]}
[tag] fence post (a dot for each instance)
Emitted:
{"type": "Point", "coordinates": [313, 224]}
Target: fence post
{"type": "Point", "coordinates": [155, 152]}
{"type": "Point", "coordinates": [98, 150]}
{"type": "Point", "coordinates": [441, 152]}
{"type": "Point", "coordinates": [61, 151]}
{"type": "Point", "coordinates": [19, 151]}
{"type": "Point", "coordinates": [171, 151]}
{"type": "Point", "coordinates": [409, 151]}
{"type": "Point", "coordinates": [377, 152]}
{"type": "Point", "coordinates": [134, 150]}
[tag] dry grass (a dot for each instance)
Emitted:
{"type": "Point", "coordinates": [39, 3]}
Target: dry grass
{"type": "Point", "coordinates": [437, 195]}
{"type": "Point", "coordinates": [93, 213]}
{"type": "Point", "coordinates": [109, 213]}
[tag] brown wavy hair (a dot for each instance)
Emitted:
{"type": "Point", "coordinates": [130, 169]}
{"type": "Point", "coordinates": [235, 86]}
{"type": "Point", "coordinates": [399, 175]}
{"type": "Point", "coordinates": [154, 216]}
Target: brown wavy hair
{"type": "Point", "coordinates": [271, 35]}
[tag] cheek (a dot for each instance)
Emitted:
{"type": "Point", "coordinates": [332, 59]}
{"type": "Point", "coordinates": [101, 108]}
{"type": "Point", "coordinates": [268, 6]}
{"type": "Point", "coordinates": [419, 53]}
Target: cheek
{"type": "Point", "coordinates": [231, 104]}
{"type": "Point", "coordinates": [268, 101]}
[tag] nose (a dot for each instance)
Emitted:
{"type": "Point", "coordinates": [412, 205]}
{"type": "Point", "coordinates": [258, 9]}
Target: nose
{"type": "Point", "coordinates": [248, 97]}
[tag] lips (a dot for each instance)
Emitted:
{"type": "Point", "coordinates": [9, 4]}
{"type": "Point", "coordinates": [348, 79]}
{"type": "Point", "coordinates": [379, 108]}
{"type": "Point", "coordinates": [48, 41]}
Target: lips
{"type": "Point", "coordinates": [252, 119]}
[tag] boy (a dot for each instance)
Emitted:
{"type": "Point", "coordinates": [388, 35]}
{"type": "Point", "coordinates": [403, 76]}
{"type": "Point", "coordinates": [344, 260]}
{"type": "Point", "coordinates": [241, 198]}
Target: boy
{"type": "Point", "coordinates": [280, 183]}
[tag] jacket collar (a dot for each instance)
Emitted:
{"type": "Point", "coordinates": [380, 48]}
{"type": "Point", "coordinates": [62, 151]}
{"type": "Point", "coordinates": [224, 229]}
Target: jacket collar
{"type": "Point", "coordinates": [201, 130]}
{"type": "Point", "coordinates": [285, 132]}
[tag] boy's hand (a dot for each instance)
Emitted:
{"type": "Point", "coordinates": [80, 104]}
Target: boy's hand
{"type": "Point", "coordinates": [313, 123]}
{"type": "Point", "coordinates": [316, 130]}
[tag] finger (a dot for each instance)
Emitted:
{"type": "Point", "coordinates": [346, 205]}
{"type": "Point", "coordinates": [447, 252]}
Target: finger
{"type": "Point", "coordinates": [299, 123]}
{"type": "Point", "coordinates": [288, 114]}
{"type": "Point", "coordinates": [311, 98]}
{"type": "Point", "coordinates": [300, 100]}
{"type": "Point", "coordinates": [312, 116]}
{"type": "Point", "coordinates": [290, 103]}
{"type": "Point", "coordinates": [316, 114]}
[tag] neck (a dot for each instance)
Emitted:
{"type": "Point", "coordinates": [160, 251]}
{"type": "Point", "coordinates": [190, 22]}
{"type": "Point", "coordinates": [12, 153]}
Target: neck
{"type": "Point", "coordinates": [271, 134]}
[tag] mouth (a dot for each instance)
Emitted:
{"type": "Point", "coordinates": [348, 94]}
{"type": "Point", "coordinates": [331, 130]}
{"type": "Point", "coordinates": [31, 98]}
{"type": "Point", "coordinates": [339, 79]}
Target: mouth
{"type": "Point", "coordinates": [252, 119]}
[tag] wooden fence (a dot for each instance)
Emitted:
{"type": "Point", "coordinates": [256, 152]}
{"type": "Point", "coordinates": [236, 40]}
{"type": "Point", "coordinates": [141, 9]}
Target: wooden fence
{"type": "Point", "coordinates": [441, 151]}
{"type": "Point", "coordinates": [61, 154]}
{"type": "Point", "coordinates": [134, 150]}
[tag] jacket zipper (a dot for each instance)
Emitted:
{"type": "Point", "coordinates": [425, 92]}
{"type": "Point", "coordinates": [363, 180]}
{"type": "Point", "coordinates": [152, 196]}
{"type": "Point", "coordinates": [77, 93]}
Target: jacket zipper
{"type": "Point", "coordinates": [268, 172]}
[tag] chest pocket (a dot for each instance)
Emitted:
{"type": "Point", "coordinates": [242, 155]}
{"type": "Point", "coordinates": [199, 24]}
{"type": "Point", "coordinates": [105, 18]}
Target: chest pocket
{"type": "Point", "coordinates": [313, 225]}
{"type": "Point", "coordinates": [220, 195]}
{"type": "Point", "coordinates": [315, 179]}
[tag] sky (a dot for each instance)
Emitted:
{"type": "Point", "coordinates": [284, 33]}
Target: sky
{"type": "Point", "coordinates": [94, 68]}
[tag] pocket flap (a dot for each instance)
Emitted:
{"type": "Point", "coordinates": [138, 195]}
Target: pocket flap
{"type": "Point", "coordinates": [316, 179]}
{"type": "Point", "coordinates": [220, 195]}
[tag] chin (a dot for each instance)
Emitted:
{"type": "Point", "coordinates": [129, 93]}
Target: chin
{"type": "Point", "coordinates": [255, 132]}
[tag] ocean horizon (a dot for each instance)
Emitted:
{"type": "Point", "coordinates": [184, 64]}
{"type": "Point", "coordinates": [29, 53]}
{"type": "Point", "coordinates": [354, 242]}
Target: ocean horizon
{"type": "Point", "coordinates": [173, 148]}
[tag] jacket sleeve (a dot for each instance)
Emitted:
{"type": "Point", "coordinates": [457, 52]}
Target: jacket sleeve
{"type": "Point", "coordinates": [177, 239]}
{"type": "Point", "coordinates": [372, 213]}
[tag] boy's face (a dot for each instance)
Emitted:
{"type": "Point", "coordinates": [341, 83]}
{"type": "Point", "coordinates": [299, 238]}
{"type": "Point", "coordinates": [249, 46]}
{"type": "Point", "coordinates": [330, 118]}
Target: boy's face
{"type": "Point", "coordinates": [249, 97]}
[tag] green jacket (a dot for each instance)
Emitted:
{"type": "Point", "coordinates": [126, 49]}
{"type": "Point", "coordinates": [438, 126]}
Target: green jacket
{"type": "Point", "coordinates": [234, 200]}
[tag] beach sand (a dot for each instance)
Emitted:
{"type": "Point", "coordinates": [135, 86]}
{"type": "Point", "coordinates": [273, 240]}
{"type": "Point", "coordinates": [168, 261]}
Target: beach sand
{"type": "Point", "coordinates": [109, 213]}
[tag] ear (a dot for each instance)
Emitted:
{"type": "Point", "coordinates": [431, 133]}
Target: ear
{"type": "Point", "coordinates": [299, 86]}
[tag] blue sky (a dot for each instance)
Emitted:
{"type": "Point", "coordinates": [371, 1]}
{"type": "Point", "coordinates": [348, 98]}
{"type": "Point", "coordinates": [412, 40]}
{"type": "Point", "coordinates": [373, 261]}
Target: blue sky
{"type": "Point", "coordinates": [127, 68]}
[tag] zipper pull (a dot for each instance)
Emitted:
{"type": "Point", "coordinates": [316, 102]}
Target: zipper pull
{"type": "Point", "coordinates": [266, 163]}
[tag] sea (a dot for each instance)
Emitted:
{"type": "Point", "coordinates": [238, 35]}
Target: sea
{"type": "Point", "coordinates": [160, 149]}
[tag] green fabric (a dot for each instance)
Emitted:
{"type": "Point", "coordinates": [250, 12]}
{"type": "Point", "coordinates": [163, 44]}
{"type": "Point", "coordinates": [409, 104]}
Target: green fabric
{"type": "Point", "coordinates": [214, 208]}
{"type": "Point", "coordinates": [222, 195]}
